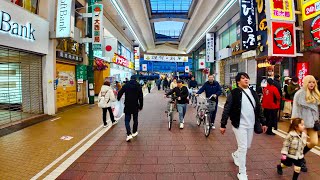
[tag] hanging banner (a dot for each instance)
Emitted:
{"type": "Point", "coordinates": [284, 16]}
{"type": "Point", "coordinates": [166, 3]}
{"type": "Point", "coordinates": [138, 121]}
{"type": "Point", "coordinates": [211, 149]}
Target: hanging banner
{"type": "Point", "coordinates": [262, 34]}
{"type": "Point", "coordinates": [65, 19]}
{"type": "Point", "coordinates": [186, 69]}
{"type": "Point", "coordinates": [144, 67]}
{"type": "Point", "coordinates": [283, 39]}
{"type": "Point", "coordinates": [310, 9]}
{"type": "Point", "coordinates": [202, 63]}
{"type": "Point", "coordinates": [120, 60]}
{"type": "Point", "coordinates": [282, 10]}
{"type": "Point", "coordinates": [248, 24]}
{"type": "Point", "coordinates": [302, 71]}
{"type": "Point", "coordinates": [148, 57]}
{"type": "Point", "coordinates": [210, 47]}
{"type": "Point", "coordinates": [97, 29]}
{"type": "Point", "coordinates": [137, 58]}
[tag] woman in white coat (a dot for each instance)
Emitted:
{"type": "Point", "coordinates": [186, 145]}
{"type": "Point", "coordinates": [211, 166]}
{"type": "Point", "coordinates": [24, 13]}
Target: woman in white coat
{"type": "Point", "coordinates": [106, 96]}
{"type": "Point", "coordinates": [306, 106]}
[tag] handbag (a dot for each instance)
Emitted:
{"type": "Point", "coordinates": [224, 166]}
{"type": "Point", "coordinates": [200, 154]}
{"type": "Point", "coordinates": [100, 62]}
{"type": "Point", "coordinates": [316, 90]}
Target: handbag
{"type": "Point", "coordinates": [316, 126]}
{"type": "Point", "coordinates": [257, 124]}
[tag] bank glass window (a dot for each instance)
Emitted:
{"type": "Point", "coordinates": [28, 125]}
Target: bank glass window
{"type": "Point", "coordinates": [30, 5]}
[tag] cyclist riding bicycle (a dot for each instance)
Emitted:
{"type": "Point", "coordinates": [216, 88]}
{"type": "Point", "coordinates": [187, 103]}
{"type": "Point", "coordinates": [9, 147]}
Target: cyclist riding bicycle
{"type": "Point", "coordinates": [181, 92]}
{"type": "Point", "coordinates": [211, 87]}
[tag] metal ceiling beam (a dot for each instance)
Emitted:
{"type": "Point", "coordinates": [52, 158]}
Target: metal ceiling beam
{"type": "Point", "coordinates": [169, 19]}
{"type": "Point", "coordinates": [166, 41]}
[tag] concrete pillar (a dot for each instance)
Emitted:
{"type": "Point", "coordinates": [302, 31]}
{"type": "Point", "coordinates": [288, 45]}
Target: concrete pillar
{"type": "Point", "coordinates": [47, 10]}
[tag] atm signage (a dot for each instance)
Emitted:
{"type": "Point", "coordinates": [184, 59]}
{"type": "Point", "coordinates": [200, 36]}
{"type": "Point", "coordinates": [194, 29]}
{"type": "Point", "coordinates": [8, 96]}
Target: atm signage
{"type": "Point", "coordinates": [13, 28]}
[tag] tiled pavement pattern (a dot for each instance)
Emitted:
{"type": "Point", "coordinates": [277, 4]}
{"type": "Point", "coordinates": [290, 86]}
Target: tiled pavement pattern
{"type": "Point", "coordinates": [159, 154]}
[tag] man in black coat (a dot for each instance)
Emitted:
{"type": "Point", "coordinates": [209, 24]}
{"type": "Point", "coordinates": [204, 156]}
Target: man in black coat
{"type": "Point", "coordinates": [132, 105]}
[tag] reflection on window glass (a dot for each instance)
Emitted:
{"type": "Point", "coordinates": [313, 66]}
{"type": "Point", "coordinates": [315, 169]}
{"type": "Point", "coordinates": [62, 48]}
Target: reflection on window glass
{"type": "Point", "coordinates": [30, 5]}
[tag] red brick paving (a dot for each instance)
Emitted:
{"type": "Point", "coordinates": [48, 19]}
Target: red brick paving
{"type": "Point", "coordinates": [159, 154]}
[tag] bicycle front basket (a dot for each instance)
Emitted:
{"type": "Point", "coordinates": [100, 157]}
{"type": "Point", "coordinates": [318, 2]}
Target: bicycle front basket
{"type": "Point", "coordinates": [211, 105]}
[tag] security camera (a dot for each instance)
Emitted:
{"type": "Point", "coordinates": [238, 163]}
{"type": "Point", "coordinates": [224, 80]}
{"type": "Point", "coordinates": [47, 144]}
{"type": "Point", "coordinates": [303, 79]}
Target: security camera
{"type": "Point", "coordinates": [124, 28]}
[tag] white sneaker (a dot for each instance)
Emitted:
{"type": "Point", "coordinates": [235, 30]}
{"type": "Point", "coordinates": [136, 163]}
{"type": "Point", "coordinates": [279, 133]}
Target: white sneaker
{"type": "Point", "coordinates": [105, 126]}
{"type": "Point", "coordinates": [235, 159]}
{"type": "Point", "coordinates": [135, 134]}
{"type": "Point", "coordinates": [242, 176]}
{"type": "Point", "coordinates": [181, 125]}
{"type": "Point", "coordinates": [213, 127]}
{"type": "Point", "coordinates": [115, 122]}
{"type": "Point", "coordinates": [129, 138]}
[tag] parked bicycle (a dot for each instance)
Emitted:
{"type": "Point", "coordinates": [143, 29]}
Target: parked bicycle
{"type": "Point", "coordinates": [170, 110]}
{"type": "Point", "coordinates": [204, 108]}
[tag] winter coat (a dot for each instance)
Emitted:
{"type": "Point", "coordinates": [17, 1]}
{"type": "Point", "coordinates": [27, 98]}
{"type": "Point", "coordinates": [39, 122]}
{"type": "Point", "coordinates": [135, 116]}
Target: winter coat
{"type": "Point", "coordinates": [294, 144]}
{"type": "Point", "coordinates": [292, 90]}
{"type": "Point", "coordinates": [193, 84]}
{"type": "Point", "coordinates": [232, 108]}
{"type": "Point", "coordinates": [277, 84]}
{"type": "Point", "coordinates": [133, 97]}
{"type": "Point", "coordinates": [158, 82]}
{"type": "Point", "coordinates": [180, 92]}
{"type": "Point", "coordinates": [210, 89]}
{"type": "Point", "coordinates": [106, 91]}
{"type": "Point", "coordinates": [165, 82]}
{"type": "Point", "coordinates": [271, 97]}
{"type": "Point", "coordinates": [309, 112]}
{"type": "Point", "coordinates": [173, 85]}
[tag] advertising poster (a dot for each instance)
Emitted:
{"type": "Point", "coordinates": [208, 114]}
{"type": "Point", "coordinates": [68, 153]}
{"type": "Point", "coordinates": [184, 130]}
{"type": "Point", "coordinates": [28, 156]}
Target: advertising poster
{"type": "Point", "coordinates": [66, 85]}
{"type": "Point", "coordinates": [283, 39]}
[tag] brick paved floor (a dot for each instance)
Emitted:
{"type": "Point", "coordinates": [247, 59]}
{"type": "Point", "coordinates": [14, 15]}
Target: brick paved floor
{"type": "Point", "coordinates": [178, 154]}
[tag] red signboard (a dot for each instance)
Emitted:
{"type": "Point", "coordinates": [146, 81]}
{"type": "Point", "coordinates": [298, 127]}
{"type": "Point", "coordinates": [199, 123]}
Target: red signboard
{"type": "Point", "coordinates": [120, 60]}
{"type": "Point", "coordinates": [302, 71]}
{"type": "Point", "coordinates": [283, 38]}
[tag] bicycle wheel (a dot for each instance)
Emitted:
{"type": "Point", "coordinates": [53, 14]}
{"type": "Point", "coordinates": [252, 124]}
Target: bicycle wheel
{"type": "Point", "coordinates": [169, 120]}
{"type": "Point", "coordinates": [206, 125]}
{"type": "Point", "coordinates": [198, 119]}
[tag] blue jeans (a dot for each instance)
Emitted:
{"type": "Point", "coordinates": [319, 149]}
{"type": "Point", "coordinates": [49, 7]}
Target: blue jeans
{"type": "Point", "coordinates": [182, 109]}
{"type": "Point", "coordinates": [135, 122]}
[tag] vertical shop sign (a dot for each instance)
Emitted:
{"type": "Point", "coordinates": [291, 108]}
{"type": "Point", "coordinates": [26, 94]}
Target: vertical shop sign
{"type": "Point", "coordinates": [144, 67]}
{"type": "Point", "coordinates": [210, 47]}
{"type": "Point", "coordinates": [283, 39]}
{"type": "Point", "coordinates": [65, 19]}
{"type": "Point", "coordinates": [248, 24]}
{"type": "Point", "coordinates": [310, 9]}
{"type": "Point", "coordinates": [282, 10]}
{"type": "Point", "coordinates": [262, 34]}
{"type": "Point", "coordinates": [137, 58]}
{"type": "Point", "coordinates": [302, 71]}
{"type": "Point", "coordinates": [97, 30]}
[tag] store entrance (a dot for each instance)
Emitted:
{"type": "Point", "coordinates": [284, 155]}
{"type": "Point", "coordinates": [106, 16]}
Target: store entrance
{"type": "Point", "coordinates": [20, 85]}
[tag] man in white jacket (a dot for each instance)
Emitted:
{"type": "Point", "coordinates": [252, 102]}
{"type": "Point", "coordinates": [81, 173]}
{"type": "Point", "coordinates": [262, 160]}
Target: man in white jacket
{"type": "Point", "coordinates": [106, 96]}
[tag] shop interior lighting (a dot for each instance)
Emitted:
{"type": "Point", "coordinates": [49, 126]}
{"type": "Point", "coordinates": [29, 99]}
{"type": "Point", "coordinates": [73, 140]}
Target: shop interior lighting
{"type": "Point", "coordinates": [124, 18]}
{"type": "Point", "coordinates": [214, 22]}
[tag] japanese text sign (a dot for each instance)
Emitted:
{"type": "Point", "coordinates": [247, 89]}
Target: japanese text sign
{"type": "Point", "coordinates": [248, 24]}
{"type": "Point", "coordinates": [282, 10]}
{"type": "Point", "coordinates": [210, 47]}
{"type": "Point", "coordinates": [310, 9]}
{"type": "Point", "coordinates": [302, 71]}
{"type": "Point", "coordinates": [97, 30]}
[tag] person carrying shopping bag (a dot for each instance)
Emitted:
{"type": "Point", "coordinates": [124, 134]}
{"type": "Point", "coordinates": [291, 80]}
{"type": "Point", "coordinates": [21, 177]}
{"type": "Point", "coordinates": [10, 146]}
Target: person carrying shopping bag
{"type": "Point", "coordinates": [106, 96]}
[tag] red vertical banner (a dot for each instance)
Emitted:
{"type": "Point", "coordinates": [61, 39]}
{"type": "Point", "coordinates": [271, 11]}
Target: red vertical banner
{"type": "Point", "coordinates": [302, 71]}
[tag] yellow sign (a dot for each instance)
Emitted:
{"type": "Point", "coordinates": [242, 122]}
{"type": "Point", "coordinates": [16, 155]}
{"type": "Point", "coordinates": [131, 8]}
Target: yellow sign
{"type": "Point", "coordinates": [310, 9]}
{"type": "Point", "coordinates": [282, 10]}
{"type": "Point", "coordinates": [66, 88]}
{"type": "Point", "coordinates": [131, 66]}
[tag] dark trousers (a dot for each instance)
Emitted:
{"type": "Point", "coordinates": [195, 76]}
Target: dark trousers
{"type": "Point", "coordinates": [159, 87]}
{"type": "Point", "coordinates": [271, 117]}
{"type": "Point", "coordinates": [149, 89]}
{"type": "Point", "coordinates": [213, 114]}
{"type": "Point", "coordinates": [104, 115]}
{"type": "Point", "coordinates": [135, 122]}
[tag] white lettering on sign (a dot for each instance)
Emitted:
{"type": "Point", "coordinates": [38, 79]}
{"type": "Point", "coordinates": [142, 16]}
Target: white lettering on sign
{"type": "Point", "coordinates": [15, 29]}
{"type": "Point", "coordinates": [63, 25]}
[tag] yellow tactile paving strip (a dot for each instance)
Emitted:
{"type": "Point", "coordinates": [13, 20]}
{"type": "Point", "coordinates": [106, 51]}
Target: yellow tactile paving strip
{"type": "Point", "coordinates": [28, 151]}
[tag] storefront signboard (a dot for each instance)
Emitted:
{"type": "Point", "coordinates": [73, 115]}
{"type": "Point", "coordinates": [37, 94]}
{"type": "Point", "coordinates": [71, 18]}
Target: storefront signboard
{"type": "Point", "coordinates": [248, 24]}
{"type": "Point", "coordinates": [120, 60]}
{"type": "Point", "coordinates": [148, 57]}
{"type": "Point", "coordinates": [97, 29]}
{"type": "Point", "coordinates": [302, 71]}
{"type": "Point", "coordinates": [281, 10]}
{"type": "Point", "coordinates": [23, 30]}
{"type": "Point", "coordinates": [81, 72]}
{"type": "Point", "coordinates": [283, 39]}
{"type": "Point", "coordinates": [262, 34]}
{"type": "Point", "coordinates": [311, 29]}
{"type": "Point", "coordinates": [310, 9]}
{"type": "Point", "coordinates": [68, 56]}
{"type": "Point", "coordinates": [65, 19]}
{"type": "Point", "coordinates": [210, 47]}
{"type": "Point", "coordinates": [249, 54]}
{"type": "Point", "coordinates": [137, 58]}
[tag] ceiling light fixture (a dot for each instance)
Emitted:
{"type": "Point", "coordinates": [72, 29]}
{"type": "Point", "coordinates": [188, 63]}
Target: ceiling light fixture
{"type": "Point", "coordinates": [214, 22]}
{"type": "Point", "coordinates": [124, 18]}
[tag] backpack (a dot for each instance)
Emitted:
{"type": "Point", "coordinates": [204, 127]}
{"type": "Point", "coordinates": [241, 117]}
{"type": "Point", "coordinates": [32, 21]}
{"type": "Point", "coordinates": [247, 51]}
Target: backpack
{"type": "Point", "coordinates": [104, 100]}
